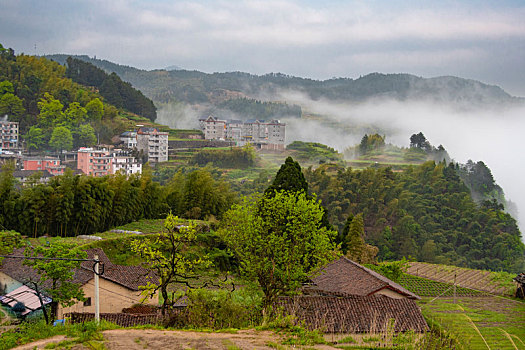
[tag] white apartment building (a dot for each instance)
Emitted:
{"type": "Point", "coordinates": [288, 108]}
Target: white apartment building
{"type": "Point", "coordinates": [8, 135]}
{"type": "Point", "coordinates": [129, 138]}
{"type": "Point", "coordinates": [153, 143]}
{"type": "Point", "coordinates": [266, 135]}
{"type": "Point", "coordinates": [126, 164]}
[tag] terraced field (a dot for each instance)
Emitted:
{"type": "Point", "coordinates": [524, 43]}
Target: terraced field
{"type": "Point", "coordinates": [479, 323]}
{"type": "Point", "coordinates": [499, 283]}
{"type": "Point", "coordinates": [428, 288]}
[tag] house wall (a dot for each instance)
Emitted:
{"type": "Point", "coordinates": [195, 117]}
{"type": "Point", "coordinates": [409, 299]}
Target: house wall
{"type": "Point", "coordinates": [8, 284]}
{"type": "Point", "coordinates": [390, 293]}
{"type": "Point", "coordinates": [113, 298]}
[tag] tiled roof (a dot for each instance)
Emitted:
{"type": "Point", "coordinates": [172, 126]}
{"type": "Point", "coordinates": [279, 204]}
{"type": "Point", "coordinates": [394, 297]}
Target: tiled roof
{"type": "Point", "coordinates": [24, 295]}
{"type": "Point", "coordinates": [348, 277]}
{"type": "Point", "coordinates": [354, 313]}
{"type": "Point", "coordinates": [130, 277]}
{"type": "Point", "coordinates": [26, 173]}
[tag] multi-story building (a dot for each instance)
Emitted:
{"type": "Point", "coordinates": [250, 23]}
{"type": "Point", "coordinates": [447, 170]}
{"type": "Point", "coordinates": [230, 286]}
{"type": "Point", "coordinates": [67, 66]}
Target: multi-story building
{"type": "Point", "coordinates": [213, 128]}
{"type": "Point", "coordinates": [126, 164]}
{"type": "Point", "coordinates": [52, 165]}
{"type": "Point", "coordinates": [8, 135]}
{"type": "Point", "coordinates": [153, 143]}
{"type": "Point", "coordinates": [94, 162]}
{"type": "Point", "coordinates": [265, 135]}
{"type": "Point", "coordinates": [129, 138]}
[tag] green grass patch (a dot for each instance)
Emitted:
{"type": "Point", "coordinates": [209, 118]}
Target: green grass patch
{"type": "Point", "coordinates": [29, 332]}
{"type": "Point", "coordinates": [478, 322]}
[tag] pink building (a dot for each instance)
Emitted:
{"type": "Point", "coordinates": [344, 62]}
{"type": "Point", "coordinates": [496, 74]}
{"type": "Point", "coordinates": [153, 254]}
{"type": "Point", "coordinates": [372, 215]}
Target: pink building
{"type": "Point", "coordinates": [94, 162]}
{"type": "Point", "coordinates": [52, 165]}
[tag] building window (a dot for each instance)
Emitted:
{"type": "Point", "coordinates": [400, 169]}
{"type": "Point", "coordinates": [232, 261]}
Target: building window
{"type": "Point", "coordinates": [87, 302]}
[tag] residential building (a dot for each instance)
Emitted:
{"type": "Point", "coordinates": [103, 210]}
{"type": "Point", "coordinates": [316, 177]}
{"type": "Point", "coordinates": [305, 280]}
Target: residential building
{"type": "Point", "coordinates": [153, 143]}
{"type": "Point", "coordinates": [348, 277]}
{"type": "Point", "coordinates": [345, 297]}
{"type": "Point", "coordinates": [8, 135]}
{"type": "Point", "coordinates": [51, 164]}
{"type": "Point", "coordinates": [95, 162]}
{"type": "Point", "coordinates": [24, 175]}
{"type": "Point", "coordinates": [213, 128]}
{"type": "Point", "coordinates": [262, 134]}
{"type": "Point", "coordinates": [125, 164]}
{"type": "Point", "coordinates": [129, 138]}
{"type": "Point", "coordinates": [119, 285]}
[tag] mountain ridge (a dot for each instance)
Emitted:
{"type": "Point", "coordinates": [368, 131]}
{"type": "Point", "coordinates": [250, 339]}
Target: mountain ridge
{"type": "Point", "coordinates": [195, 87]}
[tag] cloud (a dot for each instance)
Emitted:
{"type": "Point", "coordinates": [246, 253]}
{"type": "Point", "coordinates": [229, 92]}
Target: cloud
{"type": "Point", "coordinates": [302, 38]}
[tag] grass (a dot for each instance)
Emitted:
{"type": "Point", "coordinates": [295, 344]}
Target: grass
{"type": "Point", "coordinates": [429, 288]}
{"type": "Point", "coordinates": [480, 323]}
{"type": "Point", "coordinates": [29, 332]}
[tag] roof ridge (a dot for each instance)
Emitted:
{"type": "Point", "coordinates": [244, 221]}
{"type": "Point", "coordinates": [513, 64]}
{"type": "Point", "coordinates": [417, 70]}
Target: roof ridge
{"type": "Point", "coordinates": [382, 278]}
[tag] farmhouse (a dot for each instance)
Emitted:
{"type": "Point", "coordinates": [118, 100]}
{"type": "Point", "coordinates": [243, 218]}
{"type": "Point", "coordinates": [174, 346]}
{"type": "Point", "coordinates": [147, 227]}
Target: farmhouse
{"type": "Point", "coordinates": [119, 284]}
{"type": "Point", "coordinates": [346, 297]}
{"type": "Point", "coordinates": [348, 277]}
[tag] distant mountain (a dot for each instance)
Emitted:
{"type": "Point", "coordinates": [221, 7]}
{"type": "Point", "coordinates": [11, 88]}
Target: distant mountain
{"type": "Point", "coordinates": [168, 68]}
{"type": "Point", "coordinates": [197, 88]}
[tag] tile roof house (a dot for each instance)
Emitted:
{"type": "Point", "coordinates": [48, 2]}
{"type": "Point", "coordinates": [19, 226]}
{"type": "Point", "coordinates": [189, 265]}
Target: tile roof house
{"type": "Point", "coordinates": [119, 284]}
{"type": "Point", "coordinates": [346, 297]}
{"type": "Point", "coordinates": [354, 313]}
{"type": "Point", "coordinates": [348, 277]}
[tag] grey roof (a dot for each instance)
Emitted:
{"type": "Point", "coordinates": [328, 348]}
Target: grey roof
{"type": "Point", "coordinates": [348, 277]}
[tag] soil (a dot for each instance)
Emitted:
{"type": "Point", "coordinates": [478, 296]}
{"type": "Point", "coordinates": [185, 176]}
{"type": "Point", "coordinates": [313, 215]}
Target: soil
{"type": "Point", "coordinates": [135, 339]}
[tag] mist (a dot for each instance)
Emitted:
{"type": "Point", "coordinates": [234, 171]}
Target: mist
{"type": "Point", "coordinates": [494, 136]}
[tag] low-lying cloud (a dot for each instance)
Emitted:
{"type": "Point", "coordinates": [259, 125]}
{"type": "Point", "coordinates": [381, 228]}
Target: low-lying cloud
{"type": "Point", "coordinates": [494, 136]}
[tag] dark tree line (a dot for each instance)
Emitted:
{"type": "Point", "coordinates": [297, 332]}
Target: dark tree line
{"type": "Point", "coordinates": [117, 92]}
{"type": "Point", "coordinates": [426, 213]}
{"type": "Point", "coordinates": [71, 205]}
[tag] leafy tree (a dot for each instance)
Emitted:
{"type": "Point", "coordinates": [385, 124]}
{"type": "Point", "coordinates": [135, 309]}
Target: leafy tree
{"type": "Point", "coordinates": [56, 275]}
{"type": "Point", "coordinates": [76, 114]}
{"type": "Point", "coordinates": [10, 240]}
{"type": "Point", "coordinates": [279, 241]}
{"type": "Point", "coordinates": [50, 111]}
{"type": "Point", "coordinates": [86, 136]}
{"type": "Point", "coordinates": [167, 256]}
{"type": "Point", "coordinates": [95, 110]}
{"type": "Point", "coordinates": [420, 141]}
{"type": "Point", "coordinates": [11, 106]}
{"type": "Point", "coordinates": [289, 178]}
{"type": "Point", "coordinates": [34, 138]}
{"type": "Point", "coordinates": [6, 87]}
{"type": "Point", "coordinates": [61, 139]}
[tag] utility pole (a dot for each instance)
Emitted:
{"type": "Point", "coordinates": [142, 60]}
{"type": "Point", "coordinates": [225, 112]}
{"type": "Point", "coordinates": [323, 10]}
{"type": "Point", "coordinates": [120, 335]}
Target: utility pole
{"type": "Point", "coordinates": [454, 287]}
{"type": "Point", "coordinates": [97, 295]}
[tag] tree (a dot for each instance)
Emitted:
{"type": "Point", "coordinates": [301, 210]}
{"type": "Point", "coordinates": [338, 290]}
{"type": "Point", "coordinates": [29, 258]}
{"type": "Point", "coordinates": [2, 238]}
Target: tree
{"type": "Point", "coordinates": [279, 241]}
{"type": "Point", "coordinates": [75, 114]}
{"type": "Point", "coordinates": [95, 110]}
{"type": "Point", "coordinates": [56, 275]}
{"type": "Point", "coordinates": [50, 111]}
{"type": "Point", "coordinates": [86, 136]}
{"type": "Point", "coordinates": [34, 138]}
{"type": "Point", "coordinates": [420, 141]}
{"type": "Point", "coordinates": [61, 139]}
{"type": "Point", "coordinates": [167, 257]}
{"type": "Point", "coordinates": [289, 178]}
{"type": "Point", "coordinates": [11, 106]}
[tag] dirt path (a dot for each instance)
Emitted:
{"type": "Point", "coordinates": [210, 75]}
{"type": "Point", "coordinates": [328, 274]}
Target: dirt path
{"type": "Point", "coordinates": [40, 344]}
{"type": "Point", "coordinates": [131, 339]}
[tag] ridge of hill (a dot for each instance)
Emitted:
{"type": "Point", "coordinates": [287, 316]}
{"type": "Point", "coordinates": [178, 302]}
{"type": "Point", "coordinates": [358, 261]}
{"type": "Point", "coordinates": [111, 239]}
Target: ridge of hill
{"type": "Point", "coordinates": [194, 87]}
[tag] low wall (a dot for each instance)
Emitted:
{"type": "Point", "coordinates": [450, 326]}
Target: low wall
{"type": "Point", "coordinates": [121, 319]}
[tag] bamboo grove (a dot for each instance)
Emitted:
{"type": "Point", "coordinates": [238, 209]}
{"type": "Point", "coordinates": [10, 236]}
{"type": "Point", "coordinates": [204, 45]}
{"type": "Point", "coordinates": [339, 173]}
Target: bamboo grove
{"type": "Point", "coordinates": [71, 205]}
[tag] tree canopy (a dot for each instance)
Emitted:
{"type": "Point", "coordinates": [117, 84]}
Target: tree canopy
{"type": "Point", "coordinates": [279, 241]}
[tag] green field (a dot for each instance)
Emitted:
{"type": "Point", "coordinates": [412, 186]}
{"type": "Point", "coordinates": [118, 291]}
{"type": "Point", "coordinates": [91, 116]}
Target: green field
{"type": "Point", "coordinates": [479, 322]}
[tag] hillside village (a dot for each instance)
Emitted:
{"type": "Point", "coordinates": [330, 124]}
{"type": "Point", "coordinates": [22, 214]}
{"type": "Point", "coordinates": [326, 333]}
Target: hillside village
{"type": "Point", "coordinates": [235, 226]}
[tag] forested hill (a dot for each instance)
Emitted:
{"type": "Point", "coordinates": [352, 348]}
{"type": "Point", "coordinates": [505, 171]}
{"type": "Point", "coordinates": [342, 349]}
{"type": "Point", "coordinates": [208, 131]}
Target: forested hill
{"type": "Point", "coordinates": [194, 87]}
{"type": "Point", "coordinates": [425, 212]}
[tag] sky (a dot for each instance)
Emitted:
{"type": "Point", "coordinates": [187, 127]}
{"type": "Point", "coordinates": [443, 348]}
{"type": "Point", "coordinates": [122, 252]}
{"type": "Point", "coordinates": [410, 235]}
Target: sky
{"type": "Point", "coordinates": [481, 40]}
